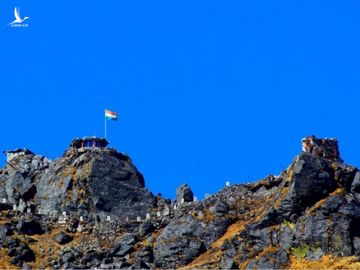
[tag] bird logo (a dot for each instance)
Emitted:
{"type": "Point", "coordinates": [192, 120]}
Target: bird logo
{"type": "Point", "coordinates": [17, 17]}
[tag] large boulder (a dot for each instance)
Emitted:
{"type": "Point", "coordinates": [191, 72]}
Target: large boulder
{"type": "Point", "coordinates": [179, 243]}
{"type": "Point", "coordinates": [19, 178]}
{"type": "Point", "coordinates": [116, 186]}
{"type": "Point", "coordinates": [185, 238]}
{"type": "Point", "coordinates": [272, 260]}
{"type": "Point", "coordinates": [184, 194]}
{"type": "Point", "coordinates": [18, 186]}
{"type": "Point", "coordinates": [5, 230]}
{"type": "Point", "coordinates": [20, 252]}
{"type": "Point", "coordinates": [355, 185]}
{"type": "Point", "coordinates": [29, 227]}
{"type": "Point", "coordinates": [63, 238]}
{"type": "Point", "coordinates": [312, 179]}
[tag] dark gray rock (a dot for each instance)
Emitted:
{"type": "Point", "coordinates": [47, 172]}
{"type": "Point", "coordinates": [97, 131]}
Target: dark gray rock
{"type": "Point", "coordinates": [63, 238]}
{"type": "Point", "coordinates": [331, 233]}
{"type": "Point", "coordinates": [5, 207]}
{"type": "Point", "coordinates": [67, 257]}
{"type": "Point", "coordinates": [29, 227]}
{"type": "Point", "coordinates": [16, 262]}
{"type": "Point", "coordinates": [313, 229]}
{"type": "Point", "coordinates": [184, 194]}
{"type": "Point", "coordinates": [25, 254]}
{"type": "Point", "coordinates": [355, 185]}
{"type": "Point", "coordinates": [146, 254]}
{"type": "Point", "coordinates": [122, 250]}
{"type": "Point", "coordinates": [332, 204]}
{"type": "Point", "coordinates": [344, 175]}
{"type": "Point", "coordinates": [119, 186]}
{"type": "Point", "coordinates": [351, 209]}
{"type": "Point", "coordinates": [5, 230]}
{"type": "Point", "coordinates": [311, 181]}
{"type": "Point", "coordinates": [94, 263]}
{"type": "Point", "coordinates": [106, 266]}
{"type": "Point", "coordinates": [185, 238]}
{"type": "Point", "coordinates": [10, 242]}
{"type": "Point", "coordinates": [93, 258]}
{"type": "Point", "coordinates": [340, 232]}
{"type": "Point", "coordinates": [212, 230]}
{"type": "Point", "coordinates": [107, 260]}
{"type": "Point", "coordinates": [356, 244]}
{"type": "Point", "coordinates": [146, 228]}
{"type": "Point", "coordinates": [228, 263]}
{"type": "Point", "coordinates": [51, 190]}
{"type": "Point", "coordinates": [19, 180]}
{"type": "Point", "coordinates": [127, 238]}
{"type": "Point", "coordinates": [17, 185]}
{"type": "Point", "coordinates": [315, 254]}
{"type": "Point", "coordinates": [258, 238]}
{"type": "Point", "coordinates": [287, 237]}
{"type": "Point", "coordinates": [220, 208]}
{"type": "Point", "coordinates": [94, 183]}
{"type": "Point", "coordinates": [274, 260]}
{"type": "Point", "coordinates": [139, 264]}
{"type": "Point", "coordinates": [21, 253]}
{"type": "Point", "coordinates": [104, 182]}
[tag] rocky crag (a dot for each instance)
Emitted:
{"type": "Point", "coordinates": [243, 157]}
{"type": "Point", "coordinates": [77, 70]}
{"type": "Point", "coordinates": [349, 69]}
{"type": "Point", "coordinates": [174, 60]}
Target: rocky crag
{"type": "Point", "coordinates": [91, 209]}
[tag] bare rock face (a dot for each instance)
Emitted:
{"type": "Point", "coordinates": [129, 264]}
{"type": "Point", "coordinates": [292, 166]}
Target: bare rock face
{"type": "Point", "coordinates": [18, 186]}
{"type": "Point", "coordinates": [19, 180]}
{"type": "Point", "coordinates": [315, 213]}
{"type": "Point", "coordinates": [184, 194]}
{"type": "Point", "coordinates": [309, 213]}
{"type": "Point", "coordinates": [89, 182]}
{"type": "Point", "coordinates": [94, 182]}
{"type": "Point", "coordinates": [312, 179]}
{"type": "Point", "coordinates": [185, 238]}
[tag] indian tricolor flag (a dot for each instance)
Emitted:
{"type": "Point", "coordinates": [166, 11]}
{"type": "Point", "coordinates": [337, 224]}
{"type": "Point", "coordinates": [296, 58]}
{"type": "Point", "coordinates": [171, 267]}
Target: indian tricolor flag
{"type": "Point", "coordinates": [110, 115]}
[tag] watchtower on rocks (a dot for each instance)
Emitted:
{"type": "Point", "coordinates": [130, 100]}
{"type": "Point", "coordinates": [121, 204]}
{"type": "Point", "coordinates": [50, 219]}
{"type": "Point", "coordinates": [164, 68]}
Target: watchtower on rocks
{"type": "Point", "coordinates": [89, 142]}
{"type": "Point", "coordinates": [10, 154]}
{"type": "Point", "coordinates": [326, 148]}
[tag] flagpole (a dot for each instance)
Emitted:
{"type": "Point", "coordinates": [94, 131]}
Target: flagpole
{"type": "Point", "coordinates": [105, 127]}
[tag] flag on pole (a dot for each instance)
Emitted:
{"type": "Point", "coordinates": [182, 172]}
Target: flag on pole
{"type": "Point", "coordinates": [110, 115]}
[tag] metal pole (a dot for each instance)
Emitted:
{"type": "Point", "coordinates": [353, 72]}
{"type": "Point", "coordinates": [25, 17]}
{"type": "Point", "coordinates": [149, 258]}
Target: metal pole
{"type": "Point", "coordinates": [105, 128]}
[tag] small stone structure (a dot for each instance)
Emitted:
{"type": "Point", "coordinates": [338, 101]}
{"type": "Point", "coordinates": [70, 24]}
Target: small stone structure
{"type": "Point", "coordinates": [89, 142]}
{"type": "Point", "coordinates": [326, 148]}
{"type": "Point", "coordinates": [10, 154]}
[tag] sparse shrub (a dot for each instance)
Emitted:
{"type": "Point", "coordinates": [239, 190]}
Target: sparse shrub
{"type": "Point", "coordinates": [289, 224]}
{"type": "Point", "coordinates": [301, 251]}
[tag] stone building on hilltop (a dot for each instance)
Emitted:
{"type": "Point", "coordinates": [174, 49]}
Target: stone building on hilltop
{"type": "Point", "coordinates": [89, 142]}
{"type": "Point", "coordinates": [327, 148]}
{"type": "Point", "coordinates": [10, 154]}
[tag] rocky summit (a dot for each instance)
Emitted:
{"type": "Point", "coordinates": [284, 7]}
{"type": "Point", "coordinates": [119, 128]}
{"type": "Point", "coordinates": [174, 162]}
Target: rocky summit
{"type": "Point", "coordinates": [90, 209]}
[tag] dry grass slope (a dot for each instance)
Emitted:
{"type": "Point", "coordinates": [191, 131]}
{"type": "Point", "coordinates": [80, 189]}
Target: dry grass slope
{"type": "Point", "coordinates": [326, 262]}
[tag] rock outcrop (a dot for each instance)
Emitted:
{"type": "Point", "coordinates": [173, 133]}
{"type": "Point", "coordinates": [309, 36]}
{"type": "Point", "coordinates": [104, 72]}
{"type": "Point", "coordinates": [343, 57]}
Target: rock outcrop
{"type": "Point", "coordinates": [91, 209]}
{"type": "Point", "coordinates": [183, 194]}
{"type": "Point", "coordinates": [88, 182]}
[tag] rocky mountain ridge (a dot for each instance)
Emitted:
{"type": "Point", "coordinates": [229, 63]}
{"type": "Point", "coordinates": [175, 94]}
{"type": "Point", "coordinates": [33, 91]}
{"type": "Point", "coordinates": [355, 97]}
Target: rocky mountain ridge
{"type": "Point", "coordinates": [91, 209]}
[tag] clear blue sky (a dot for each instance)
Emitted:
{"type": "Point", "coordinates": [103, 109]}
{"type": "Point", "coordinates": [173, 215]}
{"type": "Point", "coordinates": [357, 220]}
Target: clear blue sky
{"type": "Point", "coordinates": [207, 91]}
